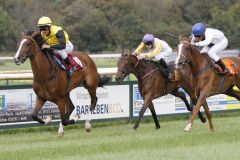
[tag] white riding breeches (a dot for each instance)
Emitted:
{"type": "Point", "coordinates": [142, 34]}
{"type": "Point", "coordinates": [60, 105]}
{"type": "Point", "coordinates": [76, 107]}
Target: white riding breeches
{"type": "Point", "coordinates": [215, 49]}
{"type": "Point", "coordinates": [163, 54]}
{"type": "Point", "coordinates": [63, 53]}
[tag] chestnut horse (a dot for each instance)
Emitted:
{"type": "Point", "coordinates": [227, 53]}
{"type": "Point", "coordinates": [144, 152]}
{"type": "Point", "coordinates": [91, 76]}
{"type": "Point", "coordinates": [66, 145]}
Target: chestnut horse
{"type": "Point", "coordinates": [203, 77]}
{"type": "Point", "coordinates": [151, 84]}
{"type": "Point", "coordinates": [51, 83]}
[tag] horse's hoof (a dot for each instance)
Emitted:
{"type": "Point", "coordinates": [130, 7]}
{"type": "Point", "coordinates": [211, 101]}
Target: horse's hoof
{"type": "Point", "coordinates": [135, 128]}
{"type": "Point", "coordinates": [157, 127]}
{"type": "Point", "coordinates": [203, 120]}
{"type": "Point", "coordinates": [188, 128]}
{"type": "Point", "coordinates": [48, 119]}
{"type": "Point", "coordinates": [88, 126]}
{"type": "Point", "coordinates": [60, 134]}
{"type": "Point", "coordinates": [75, 117]}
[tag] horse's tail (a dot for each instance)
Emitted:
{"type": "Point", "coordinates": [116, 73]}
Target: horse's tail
{"type": "Point", "coordinates": [103, 80]}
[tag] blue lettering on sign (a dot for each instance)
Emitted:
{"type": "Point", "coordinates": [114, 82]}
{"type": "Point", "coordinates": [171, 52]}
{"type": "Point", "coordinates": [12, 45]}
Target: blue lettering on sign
{"type": "Point", "coordinates": [100, 109]}
{"type": "Point", "coordinates": [136, 94]}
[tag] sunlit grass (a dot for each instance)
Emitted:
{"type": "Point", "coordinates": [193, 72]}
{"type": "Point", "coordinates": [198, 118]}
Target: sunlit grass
{"type": "Point", "coordinates": [120, 141]}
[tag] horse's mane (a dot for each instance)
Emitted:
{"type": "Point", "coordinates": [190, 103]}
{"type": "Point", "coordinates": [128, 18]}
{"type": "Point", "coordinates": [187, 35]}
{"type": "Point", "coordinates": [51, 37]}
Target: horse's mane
{"type": "Point", "coordinates": [37, 37]}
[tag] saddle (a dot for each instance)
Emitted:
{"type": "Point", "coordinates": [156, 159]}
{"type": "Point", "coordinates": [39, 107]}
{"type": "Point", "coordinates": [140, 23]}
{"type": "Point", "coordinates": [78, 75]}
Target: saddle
{"type": "Point", "coordinates": [165, 69]}
{"type": "Point", "coordinates": [233, 70]}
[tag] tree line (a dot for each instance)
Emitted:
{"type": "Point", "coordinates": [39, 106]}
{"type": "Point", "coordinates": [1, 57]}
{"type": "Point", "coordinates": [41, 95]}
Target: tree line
{"type": "Point", "coordinates": [100, 25]}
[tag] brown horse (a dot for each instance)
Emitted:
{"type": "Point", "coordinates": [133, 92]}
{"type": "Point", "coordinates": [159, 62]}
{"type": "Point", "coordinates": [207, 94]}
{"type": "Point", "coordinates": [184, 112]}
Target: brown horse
{"type": "Point", "coordinates": [151, 84]}
{"type": "Point", "coordinates": [51, 83]}
{"type": "Point", "coordinates": [203, 77]}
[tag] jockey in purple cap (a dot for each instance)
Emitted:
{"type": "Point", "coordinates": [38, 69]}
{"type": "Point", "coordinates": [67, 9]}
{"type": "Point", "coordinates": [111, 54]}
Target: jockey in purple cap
{"type": "Point", "coordinates": [157, 50]}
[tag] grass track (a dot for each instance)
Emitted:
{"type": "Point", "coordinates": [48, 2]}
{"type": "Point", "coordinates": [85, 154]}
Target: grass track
{"type": "Point", "coordinates": [120, 141]}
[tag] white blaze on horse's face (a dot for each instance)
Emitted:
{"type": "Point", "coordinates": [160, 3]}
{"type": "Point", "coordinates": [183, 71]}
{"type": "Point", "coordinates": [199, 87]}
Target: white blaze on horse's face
{"type": "Point", "coordinates": [19, 49]}
{"type": "Point", "coordinates": [179, 53]}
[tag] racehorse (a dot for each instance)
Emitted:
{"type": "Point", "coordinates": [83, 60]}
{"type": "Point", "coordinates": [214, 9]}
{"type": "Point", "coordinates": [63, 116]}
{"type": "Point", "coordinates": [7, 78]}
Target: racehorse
{"type": "Point", "coordinates": [51, 83]}
{"type": "Point", "coordinates": [151, 84]}
{"type": "Point", "coordinates": [204, 78]}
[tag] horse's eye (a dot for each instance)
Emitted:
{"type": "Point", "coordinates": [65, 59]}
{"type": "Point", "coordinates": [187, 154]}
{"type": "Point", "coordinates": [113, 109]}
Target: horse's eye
{"type": "Point", "coordinates": [28, 44]}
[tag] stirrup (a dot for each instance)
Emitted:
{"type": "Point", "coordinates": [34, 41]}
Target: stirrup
{"type": "Point", "coordinates": [171, 77]}
{"type": "Point", "coordinates": [225, 71]}
{"type": "Point", "coordinates": [71, 71]}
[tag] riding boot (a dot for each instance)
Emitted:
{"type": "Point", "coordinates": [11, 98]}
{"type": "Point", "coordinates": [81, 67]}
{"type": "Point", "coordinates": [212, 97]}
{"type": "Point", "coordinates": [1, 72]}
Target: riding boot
{"type": "Point", "coordinates": [224, 69]}
{"type": "Point", "coordinates": [164, 64]}
{"type": "Point", "coordinates": [71, 69]}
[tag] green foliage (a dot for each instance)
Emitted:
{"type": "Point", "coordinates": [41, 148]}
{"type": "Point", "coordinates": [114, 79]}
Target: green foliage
{"type": "Point", "coordinates": [97, 25]}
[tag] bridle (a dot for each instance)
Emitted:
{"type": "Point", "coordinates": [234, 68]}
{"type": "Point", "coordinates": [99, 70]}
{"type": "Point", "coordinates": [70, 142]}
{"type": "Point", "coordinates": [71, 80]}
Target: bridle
{"type": "Point", "coordinates": [180, 65]}
{"type": "Point", "coordinates": [33, 53]}
{"type": "Point", "coordinates": [135, 65]}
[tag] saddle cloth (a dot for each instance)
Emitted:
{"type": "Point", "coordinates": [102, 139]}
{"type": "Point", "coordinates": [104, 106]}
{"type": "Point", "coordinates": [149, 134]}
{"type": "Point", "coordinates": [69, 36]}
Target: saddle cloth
{"type": "Point", "coordinates": [231, 66]}
{"type": "Point", "coordinates": [73, 59]}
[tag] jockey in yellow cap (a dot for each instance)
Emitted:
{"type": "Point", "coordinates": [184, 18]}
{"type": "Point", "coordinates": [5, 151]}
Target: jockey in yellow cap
{"type": "Point", "coordinates": [57, 39]}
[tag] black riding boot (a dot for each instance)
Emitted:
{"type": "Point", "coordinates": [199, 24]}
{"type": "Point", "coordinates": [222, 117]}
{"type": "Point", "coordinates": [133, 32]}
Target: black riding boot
{"type": "Point", "coordinates": [224, 69]}
{"type": "Point", "coordinates": [164, 64]}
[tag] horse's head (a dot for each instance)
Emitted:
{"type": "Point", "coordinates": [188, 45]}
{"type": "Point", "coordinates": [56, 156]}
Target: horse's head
{"type": "Point", "coordinates": [124, 66]}
{"type": "Point", "coordinates": [26, 48]}
{"type": "Point", "coordinates": [183, 54]}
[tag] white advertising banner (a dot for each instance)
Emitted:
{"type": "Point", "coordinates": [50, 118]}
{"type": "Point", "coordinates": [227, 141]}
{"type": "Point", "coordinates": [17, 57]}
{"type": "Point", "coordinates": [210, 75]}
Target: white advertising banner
{"type": "Point", "coordinates": [113, 102]}
{"type": "Point", "coordinates": [171, 105]}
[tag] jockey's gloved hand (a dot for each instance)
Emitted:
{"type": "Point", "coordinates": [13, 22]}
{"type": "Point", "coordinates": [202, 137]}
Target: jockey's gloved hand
{"type": "Point", "coordinates": [46, 46]}
{"type": "Point", "coordinates": [141, 56]}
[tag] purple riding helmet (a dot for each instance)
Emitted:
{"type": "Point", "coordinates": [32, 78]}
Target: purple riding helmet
{"type": "Point", "coordinates": [148, 39]}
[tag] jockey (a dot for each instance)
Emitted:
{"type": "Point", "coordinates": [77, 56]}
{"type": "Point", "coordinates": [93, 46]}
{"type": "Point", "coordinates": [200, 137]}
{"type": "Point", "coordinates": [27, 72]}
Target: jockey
{"type": "Point", "coordinates": [157, 50]}
{"type": "Point", "coordinates": [57, 39]}
{"type": "Point", "coordinates": [212, 40]}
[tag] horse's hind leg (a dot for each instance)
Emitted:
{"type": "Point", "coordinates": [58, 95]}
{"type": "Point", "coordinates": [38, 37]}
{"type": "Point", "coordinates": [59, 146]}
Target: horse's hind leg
{"type": "Point", "coordinates": [69, 107]}
{"type": "Point", "coordinates": [39, 103]}
{"type": "Point", "coordinates": [64, 117]}
{"type": "Point", "coordinates": [91, 85]}
{"type": "Point", "coordinates": [151, 107]}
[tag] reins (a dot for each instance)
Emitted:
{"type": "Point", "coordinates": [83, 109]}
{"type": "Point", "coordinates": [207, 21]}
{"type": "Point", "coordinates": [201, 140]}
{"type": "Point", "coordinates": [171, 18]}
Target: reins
{"type": "Point", "coordinates": [53, 70]}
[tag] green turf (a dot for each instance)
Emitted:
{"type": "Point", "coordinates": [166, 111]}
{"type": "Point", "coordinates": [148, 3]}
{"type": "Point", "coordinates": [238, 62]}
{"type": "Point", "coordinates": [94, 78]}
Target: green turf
{"type": "Point", "coordinates": [120, 141]}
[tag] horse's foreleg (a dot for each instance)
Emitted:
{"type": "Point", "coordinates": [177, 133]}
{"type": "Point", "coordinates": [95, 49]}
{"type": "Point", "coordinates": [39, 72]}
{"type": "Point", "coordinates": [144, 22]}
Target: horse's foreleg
{"type": "Point", "coordinates": [209, 115]}
{"type": "Point", "coordinates": [147, 101]}
{"type": "Point", "coordinates": [194, 100]}
{"type": "Point", "coordinates": [200, 115]}
{"type": "Point", "coordinates": [151, 107]}
{"type": "Point", "coordinates": [196, 109]}
{"type": "Point", "coordinates": [141, 113]}
{"type": "Point", "coordinates": [39, 103]}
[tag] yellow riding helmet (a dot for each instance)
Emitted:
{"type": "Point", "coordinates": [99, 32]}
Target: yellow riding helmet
{"type": "Point", "coordinates": [44, 21]}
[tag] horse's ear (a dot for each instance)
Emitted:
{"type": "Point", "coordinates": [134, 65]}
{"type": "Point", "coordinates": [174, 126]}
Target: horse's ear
{"type": "Point", "coordinates": [29, 33]}
{"type": "Point", "coordinates": [189, 38]}
{"type": "Point", "coordinates": [180, 37]}
{"type": "Point", "coordinates": [122, 54]}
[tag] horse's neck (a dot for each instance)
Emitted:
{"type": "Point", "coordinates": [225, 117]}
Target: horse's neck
{"type": "Point", "coordinates": [41, 66]}
{"type": "Point", "coordinates": [199, 61]}
{"type": "Point", "coordinates": [140, 70]}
